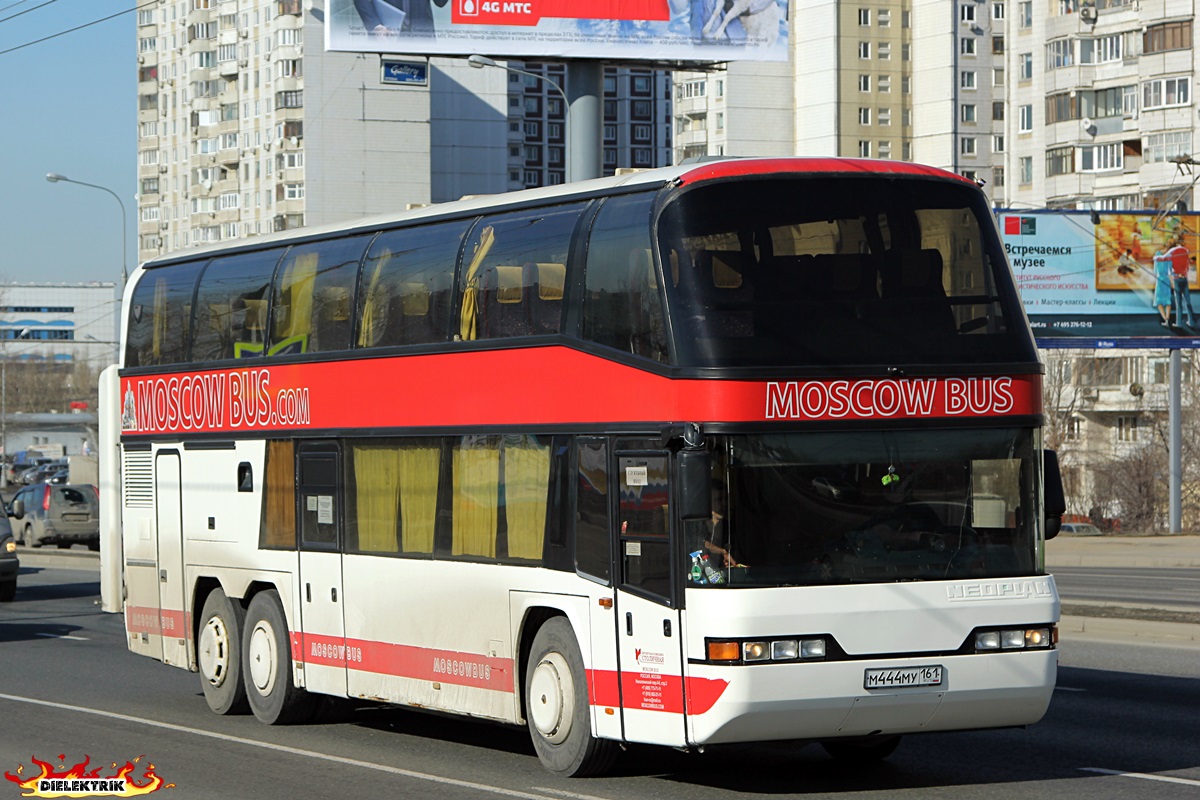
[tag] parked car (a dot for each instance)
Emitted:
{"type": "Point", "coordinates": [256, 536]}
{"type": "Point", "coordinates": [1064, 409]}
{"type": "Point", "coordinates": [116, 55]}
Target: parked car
{"type": "Point", "coordinates": [1080, 529]}
{"type": "Point", "coordinates": [10, 565]}
{"type": "Point", "coordinates": [64, 515]}
{"type": "Point", "coordinates": [61, 476]}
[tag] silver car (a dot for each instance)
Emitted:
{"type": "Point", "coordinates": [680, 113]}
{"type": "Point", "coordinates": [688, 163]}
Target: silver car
{"type": "Point", "coordinates": [64, 515]}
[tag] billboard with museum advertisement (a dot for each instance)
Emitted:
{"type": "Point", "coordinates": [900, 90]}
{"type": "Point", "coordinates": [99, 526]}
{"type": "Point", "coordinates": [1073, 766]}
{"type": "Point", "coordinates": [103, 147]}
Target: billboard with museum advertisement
{"type": "Point", "coordinates": [1092, 280]}
{"type": "Point", "coordinates": [614, 30]}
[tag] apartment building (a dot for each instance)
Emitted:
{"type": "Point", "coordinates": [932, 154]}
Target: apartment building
{"type": "Point", "coordinates": [1100, 101]}
{"type": "Point", "coordinates": [913, 80]}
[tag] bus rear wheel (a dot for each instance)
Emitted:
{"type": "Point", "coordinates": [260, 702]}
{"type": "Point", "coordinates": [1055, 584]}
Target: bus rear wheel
{"type": "Point", "coordinates": [556, 705]}
{"type": "Point", "coordinates": [267, 665]}
{"type": "Point", "coordinates": [861, 751]}
{"type": "Point", "coordinates": [219, 654]}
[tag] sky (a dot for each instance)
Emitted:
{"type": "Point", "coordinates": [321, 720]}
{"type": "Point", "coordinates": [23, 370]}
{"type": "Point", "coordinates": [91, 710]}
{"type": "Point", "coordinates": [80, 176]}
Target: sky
{"type": "Point", "coordinates": [67, 105]}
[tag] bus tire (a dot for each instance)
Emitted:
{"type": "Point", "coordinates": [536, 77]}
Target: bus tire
{"type": "Point", "coordinates": [860, 751]}
{"type": "Point", "coordinates": [556, 705]}
{"type": "Point", "coordinates": [219, 654]}
{"type": "Point", "coordinates": [267, 665]}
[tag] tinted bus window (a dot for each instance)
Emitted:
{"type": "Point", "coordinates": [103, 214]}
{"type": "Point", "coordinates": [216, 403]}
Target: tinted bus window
{"type": "Point", "coordinates": [515, 273]}
{"type": "Point", "coordinates": [622, 306]}
{"type": "Point", "coordinates": [314, 292]}
{"type": "Point", "coordinates": [839, 271]}
{"type": "Point", "coordinates": [160, 316]}
{"type": "Point", "coordinates": [407, 285]}
{"type": "Point", "coordinates": [231, 306]}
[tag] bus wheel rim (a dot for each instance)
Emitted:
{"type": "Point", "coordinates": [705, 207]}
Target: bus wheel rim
{"type": "Point", "coordinates": [263, 658]}
{"type": "Point", "coordinates": [552, 698]}
{"type": "Point", "coordinates": [214, 651]}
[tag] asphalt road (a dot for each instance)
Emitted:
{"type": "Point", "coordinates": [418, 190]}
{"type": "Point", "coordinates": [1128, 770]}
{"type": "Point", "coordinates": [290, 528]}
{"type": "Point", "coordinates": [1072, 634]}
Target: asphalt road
{"type": "Point", "coordinates": [1177, 588]}
{"type": "Point", "coordinates": [1123, 724]}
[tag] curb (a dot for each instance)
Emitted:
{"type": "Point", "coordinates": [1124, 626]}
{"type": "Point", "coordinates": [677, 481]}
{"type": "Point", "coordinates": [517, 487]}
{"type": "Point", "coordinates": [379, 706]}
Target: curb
{"type": "Point", "coordinates": [1176, 634]}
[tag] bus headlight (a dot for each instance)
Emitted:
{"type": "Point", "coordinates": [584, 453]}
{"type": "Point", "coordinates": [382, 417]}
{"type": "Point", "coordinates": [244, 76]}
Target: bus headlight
{"type": "Point", "coordinates": [756, 651]}
{"type": "Point", "coordinates": [761, 651]}
{"type": "Point", "coordinates": [1040, 638]}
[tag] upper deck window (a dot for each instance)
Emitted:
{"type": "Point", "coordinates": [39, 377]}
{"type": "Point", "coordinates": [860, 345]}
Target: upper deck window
{"type": "Point", "coordinates": [833, 271]}
{"type": "Point", "coordinates": [160, 316]}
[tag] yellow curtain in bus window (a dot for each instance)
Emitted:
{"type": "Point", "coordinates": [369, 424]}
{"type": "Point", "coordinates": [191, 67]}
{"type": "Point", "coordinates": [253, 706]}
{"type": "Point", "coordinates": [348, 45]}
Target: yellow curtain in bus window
{"type": "Point", "coordinates": [419, 465]}
{"type": "Point", "coordinates": [526, 485]}
{"type": "Point", "coordinates": [374, 310]}
{"type": "Point", "coordinates": [469, 325]}
{"type": "Point", "coordinates": [293, 317]}
{"type": "Point", "coordinates": [377, 482]}
{"type": "Point", "coordinates": [476, 466]}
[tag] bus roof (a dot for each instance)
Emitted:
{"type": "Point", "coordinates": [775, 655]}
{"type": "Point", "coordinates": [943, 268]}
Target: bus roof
{"type": "Point", "coordinates": [683, 174]}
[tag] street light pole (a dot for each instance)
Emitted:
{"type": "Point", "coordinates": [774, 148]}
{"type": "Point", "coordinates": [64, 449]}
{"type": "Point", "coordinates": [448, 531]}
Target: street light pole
{"type": "Point", "coordinates": [479, 62]}
{"type": "Point", "coordinates": [54, 177]}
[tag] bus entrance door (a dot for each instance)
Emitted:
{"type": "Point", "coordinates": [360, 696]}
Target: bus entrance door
{"type": "Point", "coordinates": [319, 516]}
{"type": "Point", "coordinates": [649, 652]}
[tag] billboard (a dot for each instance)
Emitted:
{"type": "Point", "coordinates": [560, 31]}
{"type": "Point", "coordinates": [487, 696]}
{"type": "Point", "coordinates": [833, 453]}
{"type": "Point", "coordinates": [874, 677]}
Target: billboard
{"type": "Point", "coordinates": [1099, 284]}
{"type": "Point", "coordinates": [615, 30]}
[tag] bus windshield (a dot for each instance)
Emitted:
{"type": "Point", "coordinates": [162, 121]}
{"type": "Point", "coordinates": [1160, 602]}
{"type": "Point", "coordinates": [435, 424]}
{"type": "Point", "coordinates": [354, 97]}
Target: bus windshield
{"type": "Point", "coordinates": [835, 270]}
{"type": "Point", "coordinates": [868, 507]}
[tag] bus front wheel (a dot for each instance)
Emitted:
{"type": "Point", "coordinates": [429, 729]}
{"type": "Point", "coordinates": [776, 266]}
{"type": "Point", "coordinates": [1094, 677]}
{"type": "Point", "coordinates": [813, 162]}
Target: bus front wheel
{"type": "Point", "coordinates": [267, 665]}
{"type": "Point", "coordinates": [556, 705]}
{"type": "Point", "coordinates": [219, 654]}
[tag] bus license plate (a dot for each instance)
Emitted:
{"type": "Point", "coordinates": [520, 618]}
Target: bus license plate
{"type": "Point", "coordinates": [901, 677]}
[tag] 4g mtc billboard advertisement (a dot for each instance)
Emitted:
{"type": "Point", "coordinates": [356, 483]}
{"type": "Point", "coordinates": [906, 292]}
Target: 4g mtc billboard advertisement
{"type": "Point", "coordinates": [1126, 281]}
{"type": "Point", "coordinates": [652, 30]}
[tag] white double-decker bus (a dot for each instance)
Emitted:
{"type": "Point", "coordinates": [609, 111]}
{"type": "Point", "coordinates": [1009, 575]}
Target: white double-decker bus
{"type": "Point", "coordinates": [741, 451]}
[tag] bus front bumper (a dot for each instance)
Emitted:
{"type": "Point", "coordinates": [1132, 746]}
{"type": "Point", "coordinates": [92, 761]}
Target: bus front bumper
{"type": "Point", "coordinates": [828, 699]}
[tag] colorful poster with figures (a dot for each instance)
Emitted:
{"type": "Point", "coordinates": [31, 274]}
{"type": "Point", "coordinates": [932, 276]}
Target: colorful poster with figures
{"type": "Point", "coordinates": [651, 30]}
{"type": "Point", "coordinates": [1107, 279]}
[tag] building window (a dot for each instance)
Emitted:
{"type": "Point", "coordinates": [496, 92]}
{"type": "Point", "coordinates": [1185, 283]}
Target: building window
{"type": "Point", "coordinates": [967, 146]}
{"type": "Point", "coordinates": [998, 110]}
{"type": "Point", "coordinates": [966, 79]}
{"type": "Point", "coordinates": [864, 17]}
{"type": "Point", "coordinates": [967, 113]}
{"type": "Point", "coordinates": [1025, 165]}
{"type": "Point", "coordinates": [1102, 157]}
{"type": "Point", "coordinates": [864, 116]}
{"type": "Point", "coordinates": [998, 176]}
{"type": "Point", "coordinates": [997, 45]}
{"type": "Point", "coordinates": [966, 12]}
{"type": "Point", "coordinates": [966, 46]}
{"type": "Point", "coordinates": [905, 84]}
{"type": "Point", "coordinates": [290, 99]}
{"type": "Point", "coordinates": [997, 76]}
{"type": "Point", "coordinates": [883, 117]}
{"type": "Point", "coordinates": [1101, 50]}
{"type": "Point", "coordinates": [1165, 93]}
{"type": "Point", "coordinates": [1168, 36]}
{"type": "Point", "coordinates": [1058, 54]}
{"type": "Point", "coordinates": [864, 148]}
{"type": "Point", "coordinates": [1060, 161]}
{"type": "Point", "coordinates": [1061, 107]}
{"type": "Point", "coordinates": [864, 49]}
{"type": "Point", "coordinates": [1074, 428]}
{"type": "Point", "coordinates": [864, 83]}
{"type": "Point", "coordinates": [883, 18]}
{"type": "Point", "coordinates": [885, 51]}
{"type": "Point", "coordinates": [885, 83]}
{"type": "Point", "coordinates": [1127, 429]}
{"type": "Point", "coordinates": [997, 10]}
{"type": "Point", "coordinates": [1160, 147]}
{"type": "Point", "coordinates": [1025, 66]}
{"type": "Point", "coordinates": [885, 148]}
{"type": "Point", "coordinates": [998, 143]}
{"type": "Point", "coordinates": [1025, 14]}
{"type": "Point", "coordinates": [906, 151]}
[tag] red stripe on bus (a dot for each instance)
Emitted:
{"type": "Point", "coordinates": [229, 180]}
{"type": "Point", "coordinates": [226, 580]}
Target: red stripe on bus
{"type": "Point", "coordinates": [160, 622]}
{"type": "Point", "coordinates": [542, 385]}
{"type": "Point", "coordinates": [648, 691]}
{"type": "Point", "coordinates": [405, 661]}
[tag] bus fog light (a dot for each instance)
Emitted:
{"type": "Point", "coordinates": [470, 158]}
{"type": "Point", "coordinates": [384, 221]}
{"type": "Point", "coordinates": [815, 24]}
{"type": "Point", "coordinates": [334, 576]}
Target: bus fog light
{"type": "Point", "coordinates": [988, 640]}
{"type": "Point", "coordinates": [1012, 640]}
{"type": "Point", "coordinates": [812, 648]}
{"type": "Point", "coordinates": [756, 651]}
{"type": "Point", "coordinates": [1037, 637]}
{"type": "Point", "coordinates": [785, 650]}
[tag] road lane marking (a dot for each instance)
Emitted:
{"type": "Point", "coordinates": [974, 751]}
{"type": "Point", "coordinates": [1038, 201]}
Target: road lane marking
{"type": "Point", "coordinates": [350, 762]}
{"type": "Point", "coordinates": [571, 795]}
{"type": "Point", "coordinates": [61, 636]}
{"type": "Point", "coordinates": [1142, 775]}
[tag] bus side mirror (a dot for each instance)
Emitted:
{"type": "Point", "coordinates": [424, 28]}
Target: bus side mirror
{"type": "Point", "coordinates": [695, 478]}
{"type": "Point", "coordinates": [1055, 498]}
